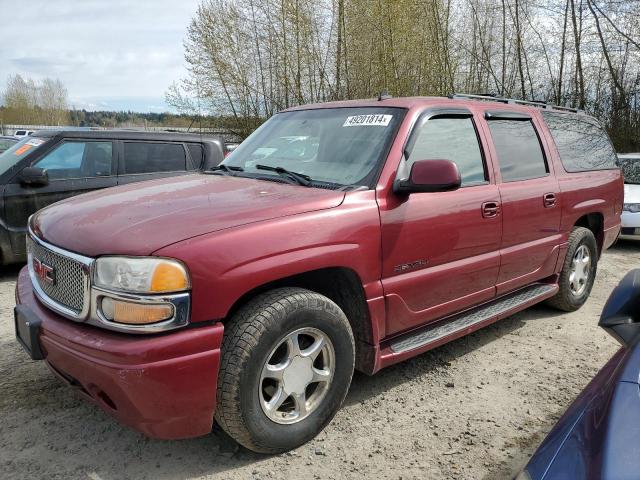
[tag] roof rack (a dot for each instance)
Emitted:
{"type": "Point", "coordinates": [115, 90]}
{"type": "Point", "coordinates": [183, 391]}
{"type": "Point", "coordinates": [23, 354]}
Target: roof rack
{"type": "Point", "coordinates": [487, 97]}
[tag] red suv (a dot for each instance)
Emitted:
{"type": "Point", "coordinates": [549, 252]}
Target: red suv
{"type": "Point", "coordinates": [337, 236]}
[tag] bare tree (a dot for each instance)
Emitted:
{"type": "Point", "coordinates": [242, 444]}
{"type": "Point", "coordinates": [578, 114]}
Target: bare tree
{"type": "Point", "coordinates": [29, 102]}
{"type": "Point", "coordinates": [248, 59]}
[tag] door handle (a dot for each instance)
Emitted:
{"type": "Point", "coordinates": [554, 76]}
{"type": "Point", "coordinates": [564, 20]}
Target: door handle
{"type": "Point", "coordinates": [549, 200]}
{"type": "Point", "coordinates": [490, 209]}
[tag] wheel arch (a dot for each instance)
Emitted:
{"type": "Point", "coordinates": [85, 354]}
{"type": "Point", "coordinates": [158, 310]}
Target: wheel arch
{"type": "Point", "coordinates": [593, 221]}
{"type": "Point", "coordinates": [340, 284]}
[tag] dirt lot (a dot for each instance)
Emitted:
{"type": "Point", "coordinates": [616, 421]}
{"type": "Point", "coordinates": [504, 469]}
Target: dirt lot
{"type": "Point", "coordinates": [476, 408]}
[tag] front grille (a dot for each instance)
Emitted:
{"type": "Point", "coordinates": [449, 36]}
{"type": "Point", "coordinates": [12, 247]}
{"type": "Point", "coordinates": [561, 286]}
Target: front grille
{"type": "Point", "coordinates": [69, 278]}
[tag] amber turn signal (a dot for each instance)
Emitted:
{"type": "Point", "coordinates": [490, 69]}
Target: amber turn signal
{"type": "Point", "coordinates": [134, 313]}
{"type": "Point", "coordinates": [169, 277]}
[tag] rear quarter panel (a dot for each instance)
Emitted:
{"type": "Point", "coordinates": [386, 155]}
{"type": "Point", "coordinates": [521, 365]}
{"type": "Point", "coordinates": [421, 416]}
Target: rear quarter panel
{"type": "Point", "coordinates": [592, 192]}
{"type": "Point", "coordinates": [582, 193]}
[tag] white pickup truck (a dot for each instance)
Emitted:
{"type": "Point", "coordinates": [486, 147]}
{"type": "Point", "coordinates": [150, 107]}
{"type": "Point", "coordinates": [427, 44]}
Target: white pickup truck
{"type": "Point", "coordinates": [22, 133]}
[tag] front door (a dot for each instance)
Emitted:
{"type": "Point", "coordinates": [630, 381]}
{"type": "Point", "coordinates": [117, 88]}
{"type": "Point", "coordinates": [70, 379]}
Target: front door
{"type": "Point", "coordinates": [73, 167]}
{"type": "Point", "coordinates": [440, 251]}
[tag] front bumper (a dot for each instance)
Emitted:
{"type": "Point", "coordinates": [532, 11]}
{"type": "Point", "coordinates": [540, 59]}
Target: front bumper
{"type": "Point", "coordinates": [161, 385]}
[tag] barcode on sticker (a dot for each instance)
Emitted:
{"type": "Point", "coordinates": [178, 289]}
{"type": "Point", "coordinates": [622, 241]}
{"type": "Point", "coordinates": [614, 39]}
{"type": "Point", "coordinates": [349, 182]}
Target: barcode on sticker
{"type": "Point", "coordinates": [376, 120]}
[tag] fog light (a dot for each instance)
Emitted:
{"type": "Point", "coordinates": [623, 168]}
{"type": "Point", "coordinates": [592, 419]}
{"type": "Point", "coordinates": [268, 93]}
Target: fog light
{"type": "Point", "coordinates": [134, 313]}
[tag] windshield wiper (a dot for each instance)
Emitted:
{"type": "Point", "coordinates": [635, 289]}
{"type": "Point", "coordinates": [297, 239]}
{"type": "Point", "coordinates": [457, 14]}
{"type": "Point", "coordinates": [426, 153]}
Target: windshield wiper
{"type": "Point", "coordinates": [226, 169]}
{"type": "Point", "coordinates": [299, 178]}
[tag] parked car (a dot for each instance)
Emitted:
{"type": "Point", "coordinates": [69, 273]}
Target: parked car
{"type": "Point", "coordinates": [22, 133]}
{"type": "Point", "coordinates": [630, 164]}
{"type": "Point", "coordinates": [249, 294]}
{"type": "Point", "coordinates": [597, 437]}
{"type": "Point", "coordinates": [6, 143]}
{"type": "Point", "coordinates": [52, 165]}
{"type": "Point", "coordinates": [230, 147]}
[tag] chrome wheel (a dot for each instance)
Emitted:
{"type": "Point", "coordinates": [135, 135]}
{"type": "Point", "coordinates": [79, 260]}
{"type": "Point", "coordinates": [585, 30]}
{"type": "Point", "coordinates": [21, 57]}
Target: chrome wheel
{"type": "Point", "coordinates": [297, 375]}
{"type": "Point", "coordinates": [580, 271]}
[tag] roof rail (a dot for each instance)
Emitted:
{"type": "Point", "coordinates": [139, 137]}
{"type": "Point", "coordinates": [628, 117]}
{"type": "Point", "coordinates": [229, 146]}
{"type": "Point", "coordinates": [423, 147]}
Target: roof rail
{"type": "Point", "coordinates": [514, 101]}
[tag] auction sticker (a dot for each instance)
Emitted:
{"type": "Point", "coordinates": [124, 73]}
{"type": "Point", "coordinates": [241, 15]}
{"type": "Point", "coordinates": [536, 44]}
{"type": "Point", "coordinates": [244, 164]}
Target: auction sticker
{"type": "Point", "coordinates": [35, 142]}
{"type": "Point", "coordinates": [22, 149]}
{"type": "Point", "coordinates": [373, 120]}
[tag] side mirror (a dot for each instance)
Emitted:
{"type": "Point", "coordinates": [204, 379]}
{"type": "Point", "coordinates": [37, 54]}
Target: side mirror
{"type": "Point", "coordinates": [621, 314]}
{"type": "Point", "coordinates": [429, 176]}
{"type": "Point", "coordinates": [34, 177]}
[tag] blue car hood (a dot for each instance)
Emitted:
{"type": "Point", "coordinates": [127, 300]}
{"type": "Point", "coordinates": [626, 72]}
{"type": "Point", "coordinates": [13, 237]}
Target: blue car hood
{"type": "Point", "coordinates": [599, 435]}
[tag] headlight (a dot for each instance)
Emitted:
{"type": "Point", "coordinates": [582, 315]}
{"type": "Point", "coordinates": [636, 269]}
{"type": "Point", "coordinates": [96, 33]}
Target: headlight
{"type": "Point", "coordinates": [141, 275]}
{"type": "Point", "coordinates": [631, 207]}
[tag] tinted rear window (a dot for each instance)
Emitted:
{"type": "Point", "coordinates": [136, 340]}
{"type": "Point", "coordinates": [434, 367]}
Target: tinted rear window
{"type": "Point", "coordinates": [518, 148]}
{"type": "Point", "coordinates": [142, 157]}
{"type": "Point", "coordinates": [581, 141]}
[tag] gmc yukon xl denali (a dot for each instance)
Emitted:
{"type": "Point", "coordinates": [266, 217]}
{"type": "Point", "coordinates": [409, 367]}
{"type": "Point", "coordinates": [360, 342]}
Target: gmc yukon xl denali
{"type": "Point", "coordinates": [337, 236]}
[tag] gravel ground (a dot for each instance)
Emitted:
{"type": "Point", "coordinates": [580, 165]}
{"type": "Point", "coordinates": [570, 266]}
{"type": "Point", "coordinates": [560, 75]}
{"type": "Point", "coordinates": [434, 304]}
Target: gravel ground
{"type": "Point", "coordinates": [475, 408]}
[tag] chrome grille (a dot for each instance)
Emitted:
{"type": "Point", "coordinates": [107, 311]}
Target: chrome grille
{"type": "Point", "coordinates": [69, 288]}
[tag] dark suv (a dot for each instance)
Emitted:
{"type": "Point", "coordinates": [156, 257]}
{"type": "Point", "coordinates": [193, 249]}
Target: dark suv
{"type": "Point", "coordinates": [52, 165]}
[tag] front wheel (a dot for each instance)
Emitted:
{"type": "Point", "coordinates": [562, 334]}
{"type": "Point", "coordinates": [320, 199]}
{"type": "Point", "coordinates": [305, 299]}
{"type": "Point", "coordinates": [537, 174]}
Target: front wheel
{"type": "Point", "coordinates": [578, 271]}
{"type": "Point", "coordinates": [287, 362]}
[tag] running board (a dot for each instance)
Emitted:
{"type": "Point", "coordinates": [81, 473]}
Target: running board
{"type": "Point", "coordinates": [460, 322]}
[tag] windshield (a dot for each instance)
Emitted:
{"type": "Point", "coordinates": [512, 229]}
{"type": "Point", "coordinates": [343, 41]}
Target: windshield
{"type": "Point", "coordinates": [7, 143]}
{"type": "Point", "coordinates": [338, 146]}
{"type": "Point", "coordinates": [630, 170]}
{"type": "Point", "coordinates": [18, 151]}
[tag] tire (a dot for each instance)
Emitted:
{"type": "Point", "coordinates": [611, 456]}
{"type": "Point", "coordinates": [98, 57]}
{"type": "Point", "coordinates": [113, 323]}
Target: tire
{"type": "Point", "coordinates": [570, 298]}
{"type": "Point", "coordinates": [263, 331]}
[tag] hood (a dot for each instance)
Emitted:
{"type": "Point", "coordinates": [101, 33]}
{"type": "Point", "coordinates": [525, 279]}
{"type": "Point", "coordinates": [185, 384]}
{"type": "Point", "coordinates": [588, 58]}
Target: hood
{"type": "Point", "coordinates": [140, 218]}
{"type": "Point", "coordinates": [597, 435]}
{"type": "Point", "coordinates": [631, 193]}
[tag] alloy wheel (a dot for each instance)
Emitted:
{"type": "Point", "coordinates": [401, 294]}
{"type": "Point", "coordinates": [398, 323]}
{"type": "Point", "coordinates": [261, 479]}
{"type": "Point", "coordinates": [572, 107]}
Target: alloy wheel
{"type": "Point", "coordinates": [296, 375]}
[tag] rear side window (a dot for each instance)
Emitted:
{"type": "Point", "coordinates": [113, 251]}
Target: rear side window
{"type": "Point", "coordinates": [142, 157]}
{"type": "Point", "coordinates": [196, 153]}
{"type": "Point", "coordinates": [582, 143]}
{"type": "Point", "coordinates": [452, 139]}
{"type": "Point", "coordinates": [518, 148]}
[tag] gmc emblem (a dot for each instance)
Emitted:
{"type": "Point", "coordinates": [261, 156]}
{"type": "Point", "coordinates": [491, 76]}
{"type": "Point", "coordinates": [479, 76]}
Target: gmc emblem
{"type": "Point", "coordinates": [45, 272]}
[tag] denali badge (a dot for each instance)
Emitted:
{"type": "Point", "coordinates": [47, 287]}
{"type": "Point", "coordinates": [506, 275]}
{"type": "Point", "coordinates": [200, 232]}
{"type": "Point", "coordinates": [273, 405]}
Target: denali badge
{"type": "Point", "coordinates": [410, 266]}
{"type": "Point", "coordinates": [45, 272]}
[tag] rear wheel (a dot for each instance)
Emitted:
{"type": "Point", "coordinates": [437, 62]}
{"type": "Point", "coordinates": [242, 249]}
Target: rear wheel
{"type": "Point", "coordinates": [578, 271]}
{"type": "Point", "coordinates": [287, 361]}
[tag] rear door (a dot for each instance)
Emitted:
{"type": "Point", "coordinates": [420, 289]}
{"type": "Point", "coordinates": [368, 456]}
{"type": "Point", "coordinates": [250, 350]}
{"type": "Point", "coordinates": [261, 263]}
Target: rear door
{"type": "Point", "coordinates": [73, 167]}
{"type": "Point", "coordinates": [148, 160]}
{"type": "Point", "coordinates": [440, 250]}
{"type": "Point", "coordinates": [530, 201]}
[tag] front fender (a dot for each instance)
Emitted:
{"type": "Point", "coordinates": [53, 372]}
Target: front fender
{"type": "Point", "coordinates": [225, 265]}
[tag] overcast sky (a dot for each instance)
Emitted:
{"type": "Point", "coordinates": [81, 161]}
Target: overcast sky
{"type": "Point", "coordinates": [110, 54]}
